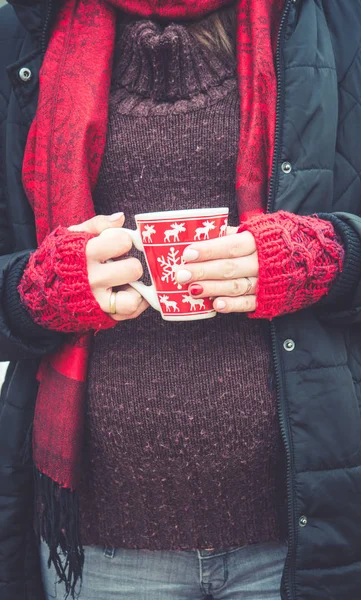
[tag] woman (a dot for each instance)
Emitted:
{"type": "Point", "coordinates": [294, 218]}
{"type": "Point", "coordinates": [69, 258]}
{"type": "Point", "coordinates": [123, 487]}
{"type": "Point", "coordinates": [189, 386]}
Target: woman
{"type": "Point", "coordinates": [218, 457]}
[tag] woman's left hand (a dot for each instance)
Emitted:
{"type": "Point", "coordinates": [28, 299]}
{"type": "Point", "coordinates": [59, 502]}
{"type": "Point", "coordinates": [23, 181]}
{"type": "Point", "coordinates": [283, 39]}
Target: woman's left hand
{"type": "Point", "coordinates": [225, 269]}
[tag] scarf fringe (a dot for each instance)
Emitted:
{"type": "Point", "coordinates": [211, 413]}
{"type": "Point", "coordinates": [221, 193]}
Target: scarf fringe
{"type": "Point", "coordinates": [57, 523]}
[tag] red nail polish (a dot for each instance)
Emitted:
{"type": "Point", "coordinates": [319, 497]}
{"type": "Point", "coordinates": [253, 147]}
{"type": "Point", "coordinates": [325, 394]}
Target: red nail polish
{"type": "Point", "coordinates": [196, 290]}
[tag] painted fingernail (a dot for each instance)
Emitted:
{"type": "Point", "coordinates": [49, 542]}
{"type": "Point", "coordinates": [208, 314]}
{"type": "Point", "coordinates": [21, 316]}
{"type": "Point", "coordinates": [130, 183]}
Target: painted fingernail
{"type": "Point", "coordinates": [196, 290]}
{"type": "Point", "coordinates": [182, 276]}
{"type": "Point", "coordinates": [220, 305]}
{"type": "Point", "coordinates": [115, 216]}
{"type": "Point", "coordinates": [190, 254]}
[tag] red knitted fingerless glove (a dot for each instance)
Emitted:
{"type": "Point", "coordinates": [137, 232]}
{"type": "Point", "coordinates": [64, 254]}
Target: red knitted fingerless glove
{"type": "Point", "coordinates": [299, 258]}
{"type": "Point", "coordinates": [55, 287]}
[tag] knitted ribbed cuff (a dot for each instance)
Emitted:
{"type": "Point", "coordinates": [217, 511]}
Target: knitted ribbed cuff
{"type": "Point", "coordinates": [347, 281]}
{"type": "Point", "coordinates": [55, 287]}
{"type": "Point", "coordinates": [299, 258]}
{"type": "Point", "coordinates": [20, 322]}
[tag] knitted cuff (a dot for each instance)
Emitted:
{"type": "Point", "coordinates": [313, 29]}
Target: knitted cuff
{"type": "Point", "coordinates": [299, 258]}
{"type": "Point", "coordinates": [55, 287]}
{"type": "Point", "coordinates": [21, 323]}
{"type": "Point", "coordinates": [345, 286]}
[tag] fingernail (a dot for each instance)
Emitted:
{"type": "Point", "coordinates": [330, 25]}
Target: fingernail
{"type": "Point", "coordinates": [196, 290]}
{"type": "Point", "coordinates": [182, 276]}
{"type": "Point", "coordinates": [190, 254]}
{"type": "Point", "coordinates": [220, 305]}
{"type": "Point", "coordinates": [115, 216]}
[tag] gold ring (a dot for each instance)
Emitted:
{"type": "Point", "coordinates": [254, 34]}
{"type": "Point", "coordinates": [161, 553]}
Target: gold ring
{"type": "Point", "coordinates": [112, 303]}
{"type": "Point", "coordinates": [249, 287]}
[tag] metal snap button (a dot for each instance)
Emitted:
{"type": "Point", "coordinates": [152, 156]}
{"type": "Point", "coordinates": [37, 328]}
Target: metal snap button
{"type": "Point", "coordinates": [286, 167]}
{"type": "Point", "coordinates": [25, 74]}
{"type": "Point", "coordinates": [289, 345]}
{"type": "Point", "coordinates": [303, 521]}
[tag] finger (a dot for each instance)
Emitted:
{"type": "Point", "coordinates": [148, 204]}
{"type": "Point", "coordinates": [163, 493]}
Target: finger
{"type": "Point", "coordinates": [242, 304]}
{"type": "Point", "coordinates": [127, 302]}
{"type": "Point", "coordinates": [229, 246]}
{"type": "Point", "coordinates": [231, 230]}
{"type": "Point", "coordinates": [232, 287]}
{"type": "Point", "coordinates": [115, 273]}
{"type": "Point", "coordinates": [234, 268]}
{"type": "Point", "coordinates": [110, 243]}
{"type": "Point", "coordinates": [100, 222]}
{"type": "Point", "coordinates": [142, 307]}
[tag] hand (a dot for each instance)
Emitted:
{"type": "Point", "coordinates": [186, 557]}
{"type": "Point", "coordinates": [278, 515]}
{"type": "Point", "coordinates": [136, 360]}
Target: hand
{"type": "Point", "coordinates": [111, 243]}
{"type": "Point", "coordinates": [225, 269]}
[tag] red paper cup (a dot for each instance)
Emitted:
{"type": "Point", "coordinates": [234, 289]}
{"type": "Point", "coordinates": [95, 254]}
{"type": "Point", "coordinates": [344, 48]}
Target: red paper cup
{"type": "Point", "coordinates": [163, 236]}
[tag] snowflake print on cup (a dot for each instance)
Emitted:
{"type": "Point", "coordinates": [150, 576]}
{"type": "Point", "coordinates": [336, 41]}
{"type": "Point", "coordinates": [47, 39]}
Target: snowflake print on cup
{"type": "Point", "coordinates": [163, 238]}
{"type": "Point", "coordinates": [168, 263]}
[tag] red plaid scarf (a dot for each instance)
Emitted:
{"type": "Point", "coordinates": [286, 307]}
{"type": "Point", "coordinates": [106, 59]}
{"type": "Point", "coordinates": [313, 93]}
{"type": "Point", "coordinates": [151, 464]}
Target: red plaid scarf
{"type": "Point", "coordinates": [61, 165]}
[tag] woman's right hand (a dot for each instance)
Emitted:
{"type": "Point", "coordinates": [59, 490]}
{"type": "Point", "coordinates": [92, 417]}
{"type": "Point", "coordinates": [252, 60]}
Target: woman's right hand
{"type": "Point", "coordinates": [111, 243]}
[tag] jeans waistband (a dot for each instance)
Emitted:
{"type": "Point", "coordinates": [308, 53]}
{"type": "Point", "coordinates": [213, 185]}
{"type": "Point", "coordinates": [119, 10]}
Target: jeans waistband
{"type": "Point", "coordinates": [217, 552]}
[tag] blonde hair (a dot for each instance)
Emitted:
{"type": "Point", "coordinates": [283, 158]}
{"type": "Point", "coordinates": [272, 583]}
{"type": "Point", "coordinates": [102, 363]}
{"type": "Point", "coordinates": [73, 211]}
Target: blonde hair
{"type": "Point", "coordinates": [217, 31]}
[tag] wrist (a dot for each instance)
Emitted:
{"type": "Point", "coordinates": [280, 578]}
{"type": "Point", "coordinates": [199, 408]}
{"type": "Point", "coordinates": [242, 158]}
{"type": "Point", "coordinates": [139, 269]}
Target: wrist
{"type": "Point", "coordinates": [299, 258]}
{"type": "Point", "coordinates": [55, 287]}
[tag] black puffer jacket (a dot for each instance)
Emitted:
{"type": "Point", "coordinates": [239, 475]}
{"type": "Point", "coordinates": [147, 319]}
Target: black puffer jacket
{"type": "Point", "coordinates": [317, 352]}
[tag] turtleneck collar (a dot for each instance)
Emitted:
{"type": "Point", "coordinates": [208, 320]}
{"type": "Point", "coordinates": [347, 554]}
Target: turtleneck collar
{"type": "Point", "coordinates": [166, 63]}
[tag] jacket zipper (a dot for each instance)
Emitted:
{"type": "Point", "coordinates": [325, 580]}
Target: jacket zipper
{"type": "Point", "coordinates": [279, 375]}
{"type": "Point", "coordinates": [44, 33]}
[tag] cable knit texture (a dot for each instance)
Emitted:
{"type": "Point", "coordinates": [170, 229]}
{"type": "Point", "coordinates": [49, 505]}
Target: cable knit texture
{"type": "Point", "coordinates": [55, 286]}
{"type": "Point", "coordinates": [165, 66]}
{"type": "Point", "coordinates": [299, 258]}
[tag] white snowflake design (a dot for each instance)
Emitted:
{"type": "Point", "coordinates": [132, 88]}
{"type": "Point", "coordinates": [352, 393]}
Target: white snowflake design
{"type": "Point", "coordinates": [168, 265]}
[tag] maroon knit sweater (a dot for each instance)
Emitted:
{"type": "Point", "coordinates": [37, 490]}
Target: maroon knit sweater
{"type": "Point", "coordinates": [182, 442]}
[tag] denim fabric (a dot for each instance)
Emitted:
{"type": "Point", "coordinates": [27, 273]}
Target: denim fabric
{"type": "Point", "coordinates": [248, 573]}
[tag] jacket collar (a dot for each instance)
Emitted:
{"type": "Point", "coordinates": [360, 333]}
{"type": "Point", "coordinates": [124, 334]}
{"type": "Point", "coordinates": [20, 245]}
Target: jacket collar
{"type": "Point", "coordinates": [36, 16]}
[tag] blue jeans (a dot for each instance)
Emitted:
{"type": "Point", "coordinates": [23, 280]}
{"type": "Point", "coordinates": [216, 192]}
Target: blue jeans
{"type": "Point", "coordinates": [247, 573]}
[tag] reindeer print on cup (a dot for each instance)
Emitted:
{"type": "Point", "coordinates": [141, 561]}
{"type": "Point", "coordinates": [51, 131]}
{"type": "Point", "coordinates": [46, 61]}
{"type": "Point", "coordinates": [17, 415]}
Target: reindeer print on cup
{"type": "Point", "coordinates": [147, 233]}
{"type": "Point", "coordinates": [223, 229]}
{"type": "Point", "coordinates": [169, 303]}
{"type": "Point", "coordinates": [207, 227]}
{"type": "Point", "coordinates": [163, 237]}
{"type": "Point", "coordinates": [193, 302]}
{"type": "Point", "coordinates": [176, 229]}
